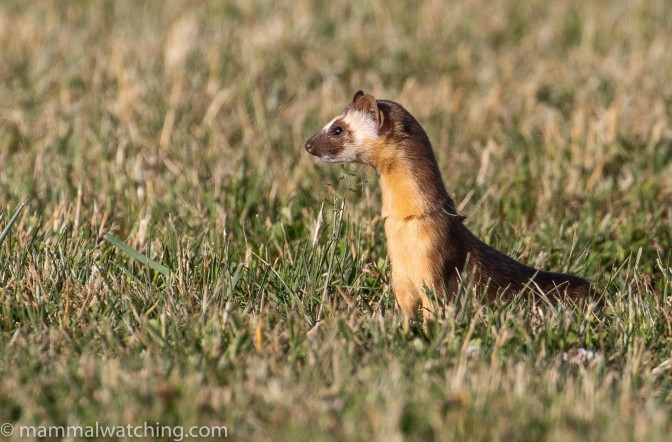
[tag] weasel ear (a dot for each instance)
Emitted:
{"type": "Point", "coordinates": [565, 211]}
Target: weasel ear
{"type": "Point", "coordinates": [368, 104]}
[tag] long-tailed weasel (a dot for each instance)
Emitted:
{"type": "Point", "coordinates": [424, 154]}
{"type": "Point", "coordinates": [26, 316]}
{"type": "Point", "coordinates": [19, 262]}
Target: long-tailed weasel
{"type": "Point", "coordinates": [428, 246]}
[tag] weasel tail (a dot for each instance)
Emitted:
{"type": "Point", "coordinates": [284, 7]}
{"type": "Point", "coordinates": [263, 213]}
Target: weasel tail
{"type": "Point", "coordinates": [430, 249]}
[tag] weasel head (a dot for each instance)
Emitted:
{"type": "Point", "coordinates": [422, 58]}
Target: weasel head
{"type": "Point", "coordinates": [384, 135]}
{"type": "Point", "coordinates": [353, 135]}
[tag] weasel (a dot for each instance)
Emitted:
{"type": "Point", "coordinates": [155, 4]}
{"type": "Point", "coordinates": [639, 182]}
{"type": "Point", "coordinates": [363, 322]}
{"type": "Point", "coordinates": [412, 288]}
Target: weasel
{"type": "Point", "coordinates": [428, 245]}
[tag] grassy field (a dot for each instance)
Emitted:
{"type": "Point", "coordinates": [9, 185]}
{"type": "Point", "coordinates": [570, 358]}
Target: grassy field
{"type": "Point", "coordinates": [178, 127]}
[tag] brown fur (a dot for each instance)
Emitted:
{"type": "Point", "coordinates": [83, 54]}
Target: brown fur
{"type": "Point", "coordinates": [428, 245]}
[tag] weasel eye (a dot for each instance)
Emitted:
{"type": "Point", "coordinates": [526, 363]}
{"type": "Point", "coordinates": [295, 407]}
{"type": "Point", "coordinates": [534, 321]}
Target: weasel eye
{"type": "Point", "coordinates": [337, 130]}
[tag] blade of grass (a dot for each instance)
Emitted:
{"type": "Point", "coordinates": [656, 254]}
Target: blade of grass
{"type": "Point", "coordinates": [11, 222]}
{"type": "Point", "coordinates": [128, 250]}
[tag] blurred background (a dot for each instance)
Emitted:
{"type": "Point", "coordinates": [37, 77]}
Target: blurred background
{"type": "Point", "coordinates": [200, 109]}
{"type": "Point", "coordinates": [179, 127]}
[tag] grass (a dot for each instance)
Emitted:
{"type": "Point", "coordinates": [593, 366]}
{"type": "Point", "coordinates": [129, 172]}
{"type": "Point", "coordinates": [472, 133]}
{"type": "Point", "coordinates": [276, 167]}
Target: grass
{"type": "Point", "coordinates": [177, 127]}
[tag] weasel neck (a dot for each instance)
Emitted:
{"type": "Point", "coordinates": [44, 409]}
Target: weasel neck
{"type": "Point", "coordinates": [411, 190]}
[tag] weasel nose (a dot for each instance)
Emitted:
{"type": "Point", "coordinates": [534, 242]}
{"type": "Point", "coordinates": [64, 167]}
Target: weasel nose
{"type": "Point", "coordinates": [309, 146]}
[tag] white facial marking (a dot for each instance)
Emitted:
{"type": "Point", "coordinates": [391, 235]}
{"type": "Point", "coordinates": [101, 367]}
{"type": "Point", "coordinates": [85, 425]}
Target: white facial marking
{"type": "Point", "coordinates": [326, 128]}
{"type": "Point", "coordinates": [361, 125]}
{"type": "Point", "coordinates": [345, 156]}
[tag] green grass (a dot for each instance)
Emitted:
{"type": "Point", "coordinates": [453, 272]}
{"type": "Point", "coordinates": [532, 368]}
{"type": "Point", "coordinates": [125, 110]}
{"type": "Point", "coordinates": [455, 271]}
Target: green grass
{"type": "Point", "coordinates": [177, 127]}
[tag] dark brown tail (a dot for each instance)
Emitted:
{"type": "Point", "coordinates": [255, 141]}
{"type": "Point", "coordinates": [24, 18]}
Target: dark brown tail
{"type": "Point", "coordinates": [506, 277]}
